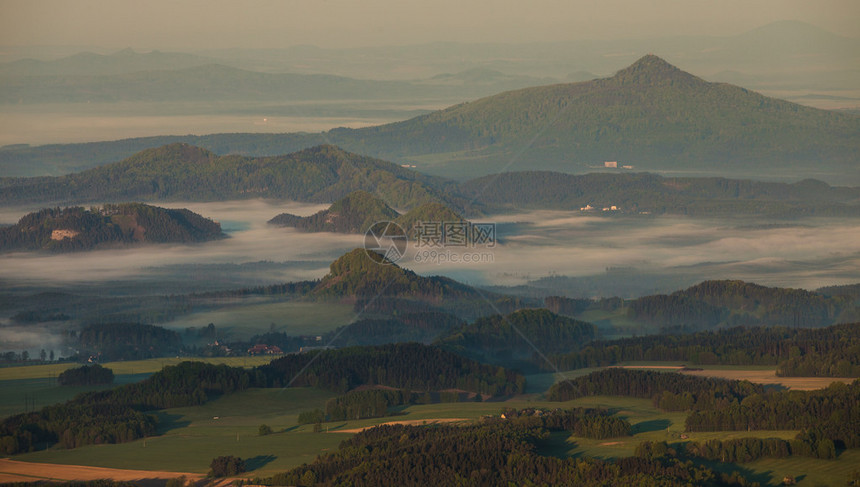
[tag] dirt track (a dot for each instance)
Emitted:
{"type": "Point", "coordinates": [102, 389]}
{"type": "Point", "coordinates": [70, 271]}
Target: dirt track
{"type": "Point", "coordinates": [15, 471]}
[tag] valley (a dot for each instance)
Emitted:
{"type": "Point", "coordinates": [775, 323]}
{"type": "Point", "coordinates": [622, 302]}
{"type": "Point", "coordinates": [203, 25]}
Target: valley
{"type": "Point", "coordinates": [312, 245]}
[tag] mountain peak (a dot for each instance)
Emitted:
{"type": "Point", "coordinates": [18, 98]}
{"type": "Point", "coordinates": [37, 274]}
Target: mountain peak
{"type": "Point", "coordinates": [651, 69]}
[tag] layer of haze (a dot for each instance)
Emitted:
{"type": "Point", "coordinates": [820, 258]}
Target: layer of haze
{"type": "Point", "coordinates": [205, 24]}
{"type": "Point", "coordinates": [807, 254]}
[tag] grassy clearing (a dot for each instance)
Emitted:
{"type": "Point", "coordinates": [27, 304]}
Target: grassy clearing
{"type": "Point", "coordinates": [191, 437]}
{"type": "Point", "coordinates": [294, 318]}
{"type": "Point", "coordinates": [45, 392]}
{"type": "Point", "coordinates": [810, 472]}
{"type": "Point", "coordinates": [131, 367]}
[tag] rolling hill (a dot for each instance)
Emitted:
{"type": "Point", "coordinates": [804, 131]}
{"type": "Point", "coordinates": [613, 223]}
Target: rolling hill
{"type": "Point", "coordinates": [76, 228]}
{"type": "Point", "coordinates": [650, 115]}
{"type": "Point", "coordinates": [354, 213]}
{"type": "Point", "coordinates": [650, 193]}
{"type": "Point", "coordinates": [318, 174]}
{"type": "Point", "coordinates": [359, 210]}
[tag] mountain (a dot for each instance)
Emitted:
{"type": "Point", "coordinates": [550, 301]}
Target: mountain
{"type": "Point", "coordinates": [649, 193]}
{"type": "Point", "coordinates": [181, 171]}
{"type": "Point", "coordinates": [650, 115]}
{"type": "Point", "coordinates": [354, 213]}
{"type": "Point", "coordinates": [359, 210]}
{"type": "Point", "coordinates": [168, 81]}
{"type": "Point", "coordinates": [92, 64]}
{"type": "Point", "coordinates": [76, 228]}
{"type": "Point", "coordinates": [433, 213]}
{"type": "Point", "coordinates": [378, 287]}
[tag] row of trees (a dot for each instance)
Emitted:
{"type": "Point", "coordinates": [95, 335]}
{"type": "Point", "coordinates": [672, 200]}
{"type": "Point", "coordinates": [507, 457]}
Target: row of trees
{"type": "Point", "coordinates": [832, 413]}
{"type": "Point", "coordinates": [119, 415]}
{"type": "Point", "coordinates": [409, 366]}
{"type": "Point", "coordinates": [86, 375]}
{"type": "Point", "coordinates": [807, 352]}
{"type": "Point", "coordinates": [667, 390]}
{"type": "Point", "coordinates": [498, 452]}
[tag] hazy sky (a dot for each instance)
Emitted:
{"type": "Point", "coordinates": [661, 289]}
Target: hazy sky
{"type": "Point", "coordinates": [200, 24]}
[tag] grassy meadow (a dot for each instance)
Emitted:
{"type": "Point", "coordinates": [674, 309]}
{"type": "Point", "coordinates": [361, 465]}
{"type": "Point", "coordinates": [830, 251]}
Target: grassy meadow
{"type": "Point", "coordinates": [190, 437]}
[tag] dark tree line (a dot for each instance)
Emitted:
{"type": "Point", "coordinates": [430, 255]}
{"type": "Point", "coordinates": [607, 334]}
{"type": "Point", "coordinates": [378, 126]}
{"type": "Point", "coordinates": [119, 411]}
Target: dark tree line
{"type": "Point", "coordinates": [129, 341]}
{"type": "Point", "coordinates": [404, 366]}
{"type": "Point", "coordinates": [518, 336]}
{"type": "Point", "coordinates": [584, 422]}
{"type": "Point", "coordinates": [670, 391]}
{"type": "Point", "coordinates": [832, 413]}
{"type": "Point", "coordinates": [86, 375]}
{"type": "Point", "coordinates": [828, 419]}
{"type": "Point", "coordinates": [833, 351]}
{"type": "Point", "coordinates": [497, 452]}
{"type": "Point", "coordinates": [119, 415]}
{"type": "Point", "coordinates": [375, 403]}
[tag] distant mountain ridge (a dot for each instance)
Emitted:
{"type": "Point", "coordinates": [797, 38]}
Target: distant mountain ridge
{"type": "Point", "coordinates": [650, 115]}
{"type": "Point", "coordinates": [327, 173]}
{"type": "Point", "coordinates": [181, 171]}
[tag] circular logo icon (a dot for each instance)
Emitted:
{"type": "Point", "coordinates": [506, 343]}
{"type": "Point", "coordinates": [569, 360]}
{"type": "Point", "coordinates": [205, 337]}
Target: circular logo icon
{"type": "Point", "coordinates": [387, 239]}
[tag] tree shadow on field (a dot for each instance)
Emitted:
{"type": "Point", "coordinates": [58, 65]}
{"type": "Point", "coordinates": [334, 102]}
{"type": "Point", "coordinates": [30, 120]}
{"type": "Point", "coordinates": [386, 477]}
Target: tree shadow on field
{"type": "Point", "coordinates": [258, 462]}
{"type": "Point", "coordinates": [652, 425]}
{"type": "Point", "coordinates": [167, 422]}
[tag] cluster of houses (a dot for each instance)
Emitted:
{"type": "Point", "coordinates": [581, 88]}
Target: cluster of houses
{"type": "Point", "coordinates": [605, 208]}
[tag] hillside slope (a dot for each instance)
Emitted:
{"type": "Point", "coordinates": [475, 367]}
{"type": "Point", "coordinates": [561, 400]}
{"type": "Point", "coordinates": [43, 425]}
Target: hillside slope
{"type": "Point", "coordinates": [181, 171]}
{"type": "Point", "coordinates": [650, 115]}
{"type": "Point", "coordinates": [76, 228]}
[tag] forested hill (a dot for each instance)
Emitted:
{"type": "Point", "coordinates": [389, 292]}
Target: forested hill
{"type": "Point", "coordinates": [651, 115]}
{"type": "Point", "coordinates": [77, 228]}
{"type": "Point", "coordinates": [354, 213]}
{"type": "Point", "coordinates": [518, 337]}
{"type": "Point", "coordinates": [359, 210]}
{"type": "Point", "coordinates": [182, 171]}
{"type": "Point", "coordinates": [713, 303]}
{"type": "Point", "coordinates": [360, 273]}
{"type": "Point", "coordinates": [327, 173]}
{"type": "Point", "coordinates": [643, 192]}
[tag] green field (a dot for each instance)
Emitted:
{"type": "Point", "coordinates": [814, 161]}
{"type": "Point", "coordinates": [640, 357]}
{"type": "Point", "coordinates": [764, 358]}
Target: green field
{"type": "Point", "coordinates": [39, 382]}
{"type": "Point", "coordinates": [190, 437]}
{"type": "Point", "coordinates": [292, 317]}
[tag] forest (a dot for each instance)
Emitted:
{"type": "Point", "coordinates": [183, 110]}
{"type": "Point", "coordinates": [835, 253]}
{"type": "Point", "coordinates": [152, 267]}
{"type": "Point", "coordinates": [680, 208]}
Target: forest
{"type": "Point", "coordinates": [519, 337]}
{"type": "Point", "coordinates": [77, 228]}
{"type": "Point", "coordinates": [120, 415]}
{"type": "Point", "coordinates": [828, 419]}
{"type": "Point", "coordinates": [493, 452]}
{"type": "Point", "coordinates": [800, 352]}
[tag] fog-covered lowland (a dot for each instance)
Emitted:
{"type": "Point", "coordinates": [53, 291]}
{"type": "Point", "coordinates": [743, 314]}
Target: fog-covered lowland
{"type": "Point", "coordinates": [536, 254]}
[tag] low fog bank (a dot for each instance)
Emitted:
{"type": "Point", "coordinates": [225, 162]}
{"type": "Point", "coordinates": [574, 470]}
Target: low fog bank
{"type": "Point", "coordinates": [34, 337]}
{"type": "Point", "coordinates": [560, 251]}
{"type": "Point", "coordinates": [280, 254]}
{"type": "Point", "coordinates": [566, 253]}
